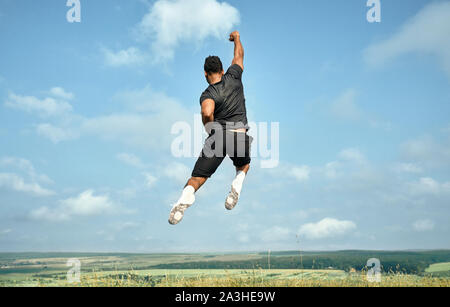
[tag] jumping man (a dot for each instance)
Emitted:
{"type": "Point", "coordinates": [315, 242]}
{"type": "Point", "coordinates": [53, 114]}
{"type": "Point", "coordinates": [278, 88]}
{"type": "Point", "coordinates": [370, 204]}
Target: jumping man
{"type": "Point", "coordinates": [225, 118]}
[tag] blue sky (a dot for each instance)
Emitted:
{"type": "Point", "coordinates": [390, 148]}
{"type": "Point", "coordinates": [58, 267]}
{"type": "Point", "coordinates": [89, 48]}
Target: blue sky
{"type": "Point", "coordinates": [86, 111]}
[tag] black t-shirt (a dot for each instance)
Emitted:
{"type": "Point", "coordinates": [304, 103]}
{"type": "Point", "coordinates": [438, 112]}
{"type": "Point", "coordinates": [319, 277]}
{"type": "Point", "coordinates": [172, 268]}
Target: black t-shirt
{"type": "Point", "coordinates": [228, 96]}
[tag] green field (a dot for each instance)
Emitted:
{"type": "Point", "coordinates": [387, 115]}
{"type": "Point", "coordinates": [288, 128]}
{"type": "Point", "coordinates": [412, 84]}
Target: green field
{"type": "Point", "coordinates": [439, 269]}
{"type": "Point", "coordinates": [293, 269]}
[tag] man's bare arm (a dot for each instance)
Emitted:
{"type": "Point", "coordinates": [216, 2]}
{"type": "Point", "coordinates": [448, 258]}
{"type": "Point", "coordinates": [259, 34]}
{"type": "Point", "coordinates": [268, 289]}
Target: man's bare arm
{"type": "Point", "coordinates": [238, 49]}
{"type": "Point", "coordinates": [208, 106]}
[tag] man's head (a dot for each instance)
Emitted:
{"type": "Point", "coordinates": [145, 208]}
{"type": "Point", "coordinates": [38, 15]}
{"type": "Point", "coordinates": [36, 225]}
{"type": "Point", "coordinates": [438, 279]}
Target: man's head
{"type": "Point", "coordinates": [213, 69]}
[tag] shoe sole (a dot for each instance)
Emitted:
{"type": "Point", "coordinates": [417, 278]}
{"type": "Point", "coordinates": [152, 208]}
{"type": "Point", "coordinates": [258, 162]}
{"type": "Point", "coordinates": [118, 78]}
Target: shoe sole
{"type": "Point", "coordinates": [235, 198]}
{"type": "Point", "coordinates": [180, 208]}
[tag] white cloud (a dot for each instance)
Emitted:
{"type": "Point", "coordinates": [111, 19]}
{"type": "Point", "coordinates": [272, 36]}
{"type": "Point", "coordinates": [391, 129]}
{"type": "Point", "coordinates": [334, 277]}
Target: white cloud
{"type": "Point", "coordinates": [275, 234]}
{"type": "Point", "coordinates": [56, 106]}
{"type": "Point", "coordinates": [25, 166]}
{"type": "Point", "coordinates": [169, 23]}
{"type": "Point", "coordinates": [386, 184]}
{"type": "Point", "coordinates": [384, 125]}
{"type": "Point", "coordinates": [131, 160]}
{"type": "Point", "coordinates": [354, 174]}
{"type": "Point", "coordinates": [300, 173]}
{"type": "Point", "coordinates": [345, 107]}
{"type": "Point", "coordinates": [423, 225]}
{"type": "Point", "coordinates": [131, 129]}
{"type": "Point", "coordinates": [85, 204]}
{"type": "Point", "coordinates": [17, 183]}
{"type": "Point", "coordinates": [430, 186]}
{"type": "Point", "coordinates": [177, 171]}
{"type": "Point", "coordinates": [45, 107]}
{"type": "Point", "coordinates": [47, 214]}
{"type": "Point", "coordinates": [425, 33]}
{"type": "Point", "coordinates": [150, 180]}
{"type": "Point", "coordinates": [352, 155]}
{"type": "Point", "coordinates": [423, 147]}
{"type": "Point", "coordinates": [427, 151]}
{"type": "Point", "coordinates": [130, 56]}
{"type": "Point", "coordinates": [351, 161]}
{"type": "Point", "coordinates": [326, 228]}
{"type": "Point", "coordinates": [331, 170]}
{"type": "Point", "coordinates": [408, 168]}
{"type": "Point", "coordinates": [59, 92]}
{"type": "Point", "coordinates": [55, 134]}
{"type": "Point", "coordinates": [88, 204]}
{"type": "Point", "coordinates": [145, 123]}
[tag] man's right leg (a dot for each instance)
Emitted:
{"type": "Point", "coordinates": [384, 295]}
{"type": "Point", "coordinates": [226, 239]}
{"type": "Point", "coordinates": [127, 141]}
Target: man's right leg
{"type": "Point", "coordinates": [241, 160]}
{"type": "Point", "coordinates": [186, 200]}
{"type": "Point", "coordinates": [204, 169]}
{"type": "Point", "coordinates": [236, 187]}
{"type": "Point", "coordinates": [196, 182]}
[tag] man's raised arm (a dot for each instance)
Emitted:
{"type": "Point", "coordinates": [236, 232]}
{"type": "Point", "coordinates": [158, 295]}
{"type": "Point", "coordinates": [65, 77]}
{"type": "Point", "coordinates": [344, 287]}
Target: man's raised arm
{"type": "Point", "coordinates": [238, 49]}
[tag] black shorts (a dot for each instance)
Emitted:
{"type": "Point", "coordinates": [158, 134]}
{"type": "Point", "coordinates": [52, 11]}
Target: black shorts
{"type": "Point", "coordinates": [236, 145]}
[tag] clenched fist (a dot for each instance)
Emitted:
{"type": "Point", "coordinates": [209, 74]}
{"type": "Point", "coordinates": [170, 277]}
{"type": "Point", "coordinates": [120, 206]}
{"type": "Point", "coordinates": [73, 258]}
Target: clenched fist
{"type": "Point", "coordinates": [234, 36]}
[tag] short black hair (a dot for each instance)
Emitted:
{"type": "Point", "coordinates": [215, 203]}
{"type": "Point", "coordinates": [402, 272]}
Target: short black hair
{"type": "Point", "coordinates": [213, 64]}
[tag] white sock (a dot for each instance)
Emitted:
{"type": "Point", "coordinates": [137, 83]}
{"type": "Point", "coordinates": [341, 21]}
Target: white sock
{"type": "Point", "coordinates": [188, 196]}
{"type": "Point", "coordinates": [239, 181]}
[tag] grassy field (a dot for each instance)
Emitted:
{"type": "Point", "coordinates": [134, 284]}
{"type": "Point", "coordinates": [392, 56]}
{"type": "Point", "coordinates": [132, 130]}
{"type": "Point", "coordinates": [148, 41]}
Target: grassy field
{"type": "Point", "coordinates": [439, 269]}
{"type": "Point", "coordinates": [219, 270]}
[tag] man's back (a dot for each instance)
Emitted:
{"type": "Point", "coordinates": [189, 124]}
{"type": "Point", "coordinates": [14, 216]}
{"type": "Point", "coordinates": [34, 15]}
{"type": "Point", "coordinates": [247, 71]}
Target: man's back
{"type": "Point", "coordinates": [229, 99]}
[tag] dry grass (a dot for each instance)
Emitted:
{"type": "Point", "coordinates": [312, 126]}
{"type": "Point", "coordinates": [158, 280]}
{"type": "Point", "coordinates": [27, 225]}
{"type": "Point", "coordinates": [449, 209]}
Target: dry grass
{"type": "Point", "coordinates": [255, 279]}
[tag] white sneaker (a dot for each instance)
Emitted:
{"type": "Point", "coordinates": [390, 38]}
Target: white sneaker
{"type": "Point", "coordinates": [232, 199]}
{"type": "Point", "coordinates": [186, 200]}
{"type": "Point", "coordinates": [177, 213]}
